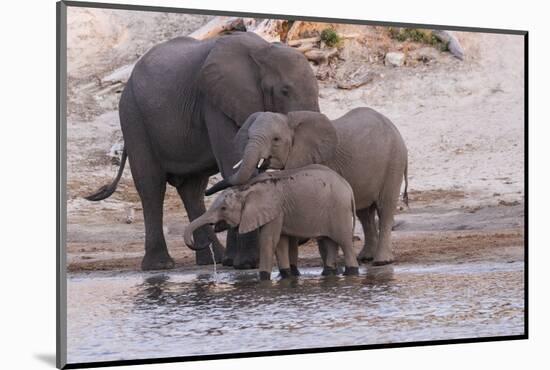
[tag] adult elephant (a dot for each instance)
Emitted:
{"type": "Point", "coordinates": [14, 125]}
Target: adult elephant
{"type": "Point", "coordinates": [179, 113]}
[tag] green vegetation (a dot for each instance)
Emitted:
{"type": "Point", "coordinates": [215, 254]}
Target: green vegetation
{"type": "Point", "coordinates": [330, 37]}
{"type": "Point", "coordinates": [417, 35]}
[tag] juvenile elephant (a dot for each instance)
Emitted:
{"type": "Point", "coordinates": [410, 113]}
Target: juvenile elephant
{"type": "Point", "coordinates": [179, 112]}
{"type": "Point", "coordinates": [309, 202]}
{"type": "Point", "coordinates": [363, 146]}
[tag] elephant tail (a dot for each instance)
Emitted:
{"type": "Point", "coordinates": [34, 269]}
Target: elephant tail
{"type": "Point", "coordinates": [107, 190]}
{"type": "Point", "coordinates": [405, 193]}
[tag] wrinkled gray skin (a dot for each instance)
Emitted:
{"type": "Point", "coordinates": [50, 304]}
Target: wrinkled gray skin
{"type": "Point", "coordinates": [309, 202]}
{"type": "Point", "coordinates": [179, 112]}
{"type": "Point", "coordinates": [363, 146]}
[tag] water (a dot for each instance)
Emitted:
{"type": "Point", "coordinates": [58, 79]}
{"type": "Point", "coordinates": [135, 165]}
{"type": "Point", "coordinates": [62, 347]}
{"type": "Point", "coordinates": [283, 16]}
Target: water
{"type": "Point", "coordinates": [213, 262]}
{"type": "Point", "coordinates": [143, 315]}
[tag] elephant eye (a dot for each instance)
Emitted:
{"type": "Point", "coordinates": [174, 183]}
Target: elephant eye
{"type": "Point", "coordinates": [285, 91]}
{"type": "Point", "coordinates": [276, 139]}
{"type": "Point", "coordinates": [224, 208]}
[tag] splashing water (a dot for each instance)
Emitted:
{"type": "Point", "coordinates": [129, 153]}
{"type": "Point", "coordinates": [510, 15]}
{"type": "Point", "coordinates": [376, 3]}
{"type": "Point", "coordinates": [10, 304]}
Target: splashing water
{"type": "Point", "coordinates": [214, 262]}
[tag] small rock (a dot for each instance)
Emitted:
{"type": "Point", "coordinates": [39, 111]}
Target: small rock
{"type": "Point", "coordinates": [130, 215]}
{"type": "Point", "coordinates": [395, 59]}
{"type": "Point", "coordinates": [116, 152]}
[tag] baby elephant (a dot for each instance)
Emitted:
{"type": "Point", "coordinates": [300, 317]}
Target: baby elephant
{"type": "Point", "coordinates": [309, 202]}
{"type": "Point", "coordinates": [363, 146]}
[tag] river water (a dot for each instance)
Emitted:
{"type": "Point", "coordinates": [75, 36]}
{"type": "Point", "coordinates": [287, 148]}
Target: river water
{"type": "Point", "coordinates": [126, 316]}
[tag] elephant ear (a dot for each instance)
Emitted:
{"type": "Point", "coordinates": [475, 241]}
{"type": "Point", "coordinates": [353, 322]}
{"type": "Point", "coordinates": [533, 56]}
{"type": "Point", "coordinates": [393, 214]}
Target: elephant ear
{"type": "Point", "coordinates": [261, 205]}
{"type": "Point", "coordinates": [229, 77]}
{"type": "Point", "coordinates": [241, 138]}
{"type": "Point", "coordinates": [314, 139]}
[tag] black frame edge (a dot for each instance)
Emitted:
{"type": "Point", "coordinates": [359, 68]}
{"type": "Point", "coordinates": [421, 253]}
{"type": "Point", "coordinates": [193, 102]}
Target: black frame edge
{"type": "Point", "coordinates": [290, 352]}
{"type": "Point", "coordinates": [526, 183]}
{"type": "Point", "coordinates": [61, 101]}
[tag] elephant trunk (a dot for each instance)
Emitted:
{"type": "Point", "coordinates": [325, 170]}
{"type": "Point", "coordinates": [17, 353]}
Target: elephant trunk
{"type": "Point", "coordinates": [207, 218]}
{"type": "Point", "coordinates": [248, 167]}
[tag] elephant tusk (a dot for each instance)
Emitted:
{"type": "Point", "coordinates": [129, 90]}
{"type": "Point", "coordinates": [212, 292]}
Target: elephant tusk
{"type": "Point", "coordinates": [260, 163]}
{"type": "Point", "coordinates": [238, 164]}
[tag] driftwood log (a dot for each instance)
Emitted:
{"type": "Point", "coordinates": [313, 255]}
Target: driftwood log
{"type": "Point", "coordinates": [217, 26]}
{"type": "Point", "coordinates": [452, 43]}
{"type": "Point", "coordinates": [320, 56]}
{"type": "Point", "coordinates": [271, 30]}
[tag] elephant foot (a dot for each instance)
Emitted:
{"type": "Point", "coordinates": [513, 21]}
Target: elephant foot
{"type": "Point", "coordinates": [329, 271]}
{"type": "Point", "coordinates": [351, 271]}
{"type": "Point", "coordinates": [227, 261]}
{"type": "Point", "coordinates": [384, 256]}
{"type": "Point", "coordinates": [161, 261]}
{"type": "Point", "coordinates": [204, 256]}
{"type": "Point", "coordinates": [245, 265]}
{"type": "Point", "coordinates": [365, 255]}
{"type": "Point", "coordinates": [294, 270]}
{"type": "Point", "coordinates": [382, 263]}
{"type": "Point", "coordinates": [246, 251]}
{"type": "Point", "coordinates": [264, 275]}
{"type": "Point", "coordinates": [364, 259]}
{"type": "Point", "coordinates": [244, 261]}
{"type": "Point", "coordinates": [284, 273]}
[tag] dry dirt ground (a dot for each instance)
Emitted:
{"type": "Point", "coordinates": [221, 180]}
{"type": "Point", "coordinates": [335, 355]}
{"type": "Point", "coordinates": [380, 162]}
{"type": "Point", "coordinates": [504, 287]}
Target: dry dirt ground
{"type": "Point", "coordinates": [462, 122]}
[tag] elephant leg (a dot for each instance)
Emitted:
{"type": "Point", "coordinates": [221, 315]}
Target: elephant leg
{"type": "Point", "coordinates": [384, 254]}
{"type": "Point", "coordinates": [230, 246]}
{"type": "Point", "coordinates": [243, 254]}
{"type": "Point", "coordinates": [367, 219]}
{"type": "Point", "coordinates": [247, 251]}
{"type": "Point", "coordinates": [293, 256]}
{"type": "Point", "coordinates": [150, 182]}
{"type": "Point", "coordinates": [283, 260]}
{"type": "Point", "coordinates": [350, 258]}
{"type": "Point", "coordinates": [269, 239]}
{"type": "Point", "coordinates": [329, 254]}
{"type": "Point", "coordinates": [191, 192]}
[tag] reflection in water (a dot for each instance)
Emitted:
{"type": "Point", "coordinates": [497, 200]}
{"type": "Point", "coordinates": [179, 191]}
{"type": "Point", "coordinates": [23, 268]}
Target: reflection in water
{"type": "Point", "coordinates": [179, 314]}
{"type": "Point", "coordinates": [379, 274]}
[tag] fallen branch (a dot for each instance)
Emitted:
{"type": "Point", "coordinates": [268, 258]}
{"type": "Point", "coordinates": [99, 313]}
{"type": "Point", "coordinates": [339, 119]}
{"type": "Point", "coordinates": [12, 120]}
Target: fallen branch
{"type": "Point", "coordinates": [356, 79]}
{"type": "Point", "coordinates": [356, 82]}
{"type": "Point", "coordinates": [320, 56]}
{"type": "Point", "coordinates": [306, 47]}
{"type": "Point", "coordinates": [216, 26]}
{"type": "Point", "coordinates": [309, 40]}
{"type": "Point", "coordinates": [121, 74]}
{"type": "Point", "coordinates": [270, 29]}
{"type": "Point", "coordinates": [350, 36]}
{"type": "Point", "coordinates": [451, 41]}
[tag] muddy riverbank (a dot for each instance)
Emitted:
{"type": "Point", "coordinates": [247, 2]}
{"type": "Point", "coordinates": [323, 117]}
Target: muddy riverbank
{"type": "Point", "coordinates": [425, 235]}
